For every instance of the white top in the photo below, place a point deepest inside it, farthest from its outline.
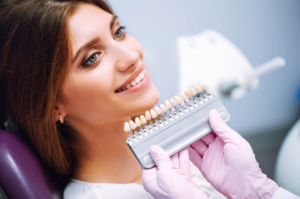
(77, 189)
(282, 193)
(83, 190)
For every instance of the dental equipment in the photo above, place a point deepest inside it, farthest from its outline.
(176, 128)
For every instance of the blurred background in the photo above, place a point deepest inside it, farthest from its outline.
(262, 30)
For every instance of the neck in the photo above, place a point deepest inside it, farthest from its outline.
(102, 156)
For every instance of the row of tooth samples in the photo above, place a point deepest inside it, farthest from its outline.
(133, 82)
(143, 125)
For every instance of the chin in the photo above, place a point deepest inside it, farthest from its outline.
(152, 101)
(147, 102)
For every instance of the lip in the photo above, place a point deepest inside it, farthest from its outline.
(139, 69)
(142, 84)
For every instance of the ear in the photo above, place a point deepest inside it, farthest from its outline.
(59, 110)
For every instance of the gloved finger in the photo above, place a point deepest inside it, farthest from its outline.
(200, 147)
(160, 158)
(184, 161)
(221, 128)
(195, 157)
(208, 139)
(149, 177)
(149, 172)
(175, 161)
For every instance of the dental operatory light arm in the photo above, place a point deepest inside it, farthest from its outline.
(220, 64)
(239, 86)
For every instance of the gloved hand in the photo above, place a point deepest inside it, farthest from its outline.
(227, 161)
(170, 178)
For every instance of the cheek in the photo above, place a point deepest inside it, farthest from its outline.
(87, 93)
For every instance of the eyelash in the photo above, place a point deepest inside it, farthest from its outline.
(122, 28)
(85, 65)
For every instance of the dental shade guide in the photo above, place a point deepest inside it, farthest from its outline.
(144, 122)
(173, 131)
(139, 124)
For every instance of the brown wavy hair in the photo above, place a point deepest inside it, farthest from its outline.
(35, 54)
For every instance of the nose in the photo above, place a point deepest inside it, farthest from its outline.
(125, 57)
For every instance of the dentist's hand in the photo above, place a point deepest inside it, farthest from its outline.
(170, 178)
(227, 161)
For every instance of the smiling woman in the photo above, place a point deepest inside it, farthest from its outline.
(70, 76)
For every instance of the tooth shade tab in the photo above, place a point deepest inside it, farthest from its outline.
(143, 119)
(168, 104)
(188, 93)
(183, 96)
(138, 121)
(193, 91)
(126, 127)
(163, 108)
(157, 110)
(203, 86)
(132, 124)
(173, 102)
(153, 113)
(198, 88)
(178, 99)
(148, 116)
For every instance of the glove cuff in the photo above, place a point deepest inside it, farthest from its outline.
(262, 186)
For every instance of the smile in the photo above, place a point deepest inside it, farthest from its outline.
(133, 83)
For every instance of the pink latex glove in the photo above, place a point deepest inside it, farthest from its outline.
(227, 161)
(170, 178)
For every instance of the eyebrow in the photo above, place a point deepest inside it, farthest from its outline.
(112, 22)
(93, 41)
(87, 45)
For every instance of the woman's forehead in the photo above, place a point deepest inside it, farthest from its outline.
(88, 21)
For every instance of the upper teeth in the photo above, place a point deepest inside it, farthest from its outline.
(133, 82)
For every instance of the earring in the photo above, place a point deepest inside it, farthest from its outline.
(61, 119)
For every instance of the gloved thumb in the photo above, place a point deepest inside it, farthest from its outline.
(220, 127)
(160, 158)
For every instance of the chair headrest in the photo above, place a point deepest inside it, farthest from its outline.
(22, 174)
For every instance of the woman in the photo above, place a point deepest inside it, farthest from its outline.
(70, 77)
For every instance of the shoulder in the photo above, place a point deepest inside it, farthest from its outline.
(78, 189)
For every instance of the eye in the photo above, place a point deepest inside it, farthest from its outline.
(91, 60)
(120, 32)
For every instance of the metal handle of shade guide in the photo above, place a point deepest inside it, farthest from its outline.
(179, 132)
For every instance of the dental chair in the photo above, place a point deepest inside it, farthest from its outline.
(22, 173)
